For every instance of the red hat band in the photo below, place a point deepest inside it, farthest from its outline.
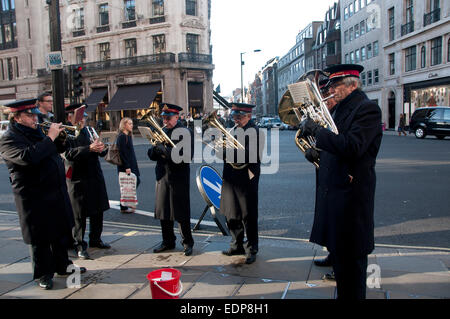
(345, 73)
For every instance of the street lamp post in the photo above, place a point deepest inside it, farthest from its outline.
(242, 74)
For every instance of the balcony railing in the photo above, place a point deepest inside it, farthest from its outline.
(129, 24)
(103, 28)
(407, 28)
(432, 17)
(9, 45)
(78, 33)
(151, 59)
(195, 57)
(159, 19)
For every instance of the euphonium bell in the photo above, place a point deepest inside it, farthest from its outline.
(302, 100)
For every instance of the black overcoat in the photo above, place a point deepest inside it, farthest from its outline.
(127, 154)
(239, 196)
(172, 197)
(344, 217)
(85, 181)
(38, 183)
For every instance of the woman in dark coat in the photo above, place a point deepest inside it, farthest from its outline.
(39, 186)
(87, 189)
(172, 201)
(127, 155)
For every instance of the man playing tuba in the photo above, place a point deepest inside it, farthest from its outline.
(344, 221)
(239, 196)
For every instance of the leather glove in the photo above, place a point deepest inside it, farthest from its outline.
(312, 155)
(309, 128)
(162, 150)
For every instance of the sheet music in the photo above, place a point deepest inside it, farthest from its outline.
(299, 92)
(146, 132)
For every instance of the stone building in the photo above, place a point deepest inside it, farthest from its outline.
(132, 53)
(416, 56)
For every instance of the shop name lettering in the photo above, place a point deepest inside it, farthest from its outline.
(228, 309)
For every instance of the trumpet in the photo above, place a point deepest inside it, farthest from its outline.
(228, 141)
(157, 135)
(69, 132)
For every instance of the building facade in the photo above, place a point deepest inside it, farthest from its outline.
(361, 35)
(132, 53)
(327, 44)
(416, 56)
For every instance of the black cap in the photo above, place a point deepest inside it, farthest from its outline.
(340, 71)
(28, 105)
(170, 109)
(241, 108)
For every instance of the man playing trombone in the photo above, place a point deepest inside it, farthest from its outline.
(172, 201)
(239, 196)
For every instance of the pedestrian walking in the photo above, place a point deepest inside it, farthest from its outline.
(127, 155)
(401, 125)
(45, 106)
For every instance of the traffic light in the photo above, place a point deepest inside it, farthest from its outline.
(77, 80)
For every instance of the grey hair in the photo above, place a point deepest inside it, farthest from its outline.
(350, 80)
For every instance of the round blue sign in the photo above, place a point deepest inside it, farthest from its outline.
(209, 184)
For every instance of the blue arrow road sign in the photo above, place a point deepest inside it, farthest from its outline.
(209, 183)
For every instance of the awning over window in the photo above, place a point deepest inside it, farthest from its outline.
(195, 91)
(95, 98)
(133, 97)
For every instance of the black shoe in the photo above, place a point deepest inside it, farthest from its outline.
(163, 247)
(82, 254)
(66, 273)
(250, 259)
(329, 276)
(188, 250)
(234, 252)
(100, 244)
(46, 283)
(325, 262)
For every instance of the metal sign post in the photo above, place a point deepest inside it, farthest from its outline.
(209, 184)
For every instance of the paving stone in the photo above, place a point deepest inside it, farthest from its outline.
(214, 285)
(259, 288)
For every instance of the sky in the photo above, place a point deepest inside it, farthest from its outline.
(247, 25)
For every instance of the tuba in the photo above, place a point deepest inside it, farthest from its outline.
(69, 132)
(302, 100)
(157, 134)
(228, 140)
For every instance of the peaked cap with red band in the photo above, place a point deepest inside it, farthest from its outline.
(241, 108)
(170, 109)
(340, 71)
(23, 105)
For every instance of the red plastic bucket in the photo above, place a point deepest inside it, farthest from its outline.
(165, 283)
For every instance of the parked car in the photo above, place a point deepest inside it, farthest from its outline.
(276, 123)
(3, 127)
(433, 120)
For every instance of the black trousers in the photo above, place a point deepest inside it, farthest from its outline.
(351, 275)
(168, 234)
(48, 258)
(238, 228)
(95, 229)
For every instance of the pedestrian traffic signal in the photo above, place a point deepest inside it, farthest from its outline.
(77, 80)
